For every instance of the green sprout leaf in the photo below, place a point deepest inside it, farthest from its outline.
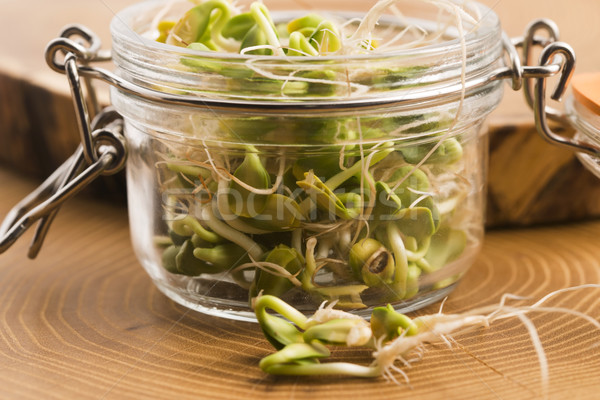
(223, 257)
(327, 200)
(387, 203)
(300, 46)
(242, 201)
(280, 214)
(199, 25)
(180, 260)
(168, 259)
(189, 225)
(416, 222)
(446, 245)
(256, 37)
(279, 331)
(322, 166)
(414, 190)
(389, 324)
(272, 284)
(448, 152)
(326, 38)
(238, 26)
(194, 23)
(305, 25)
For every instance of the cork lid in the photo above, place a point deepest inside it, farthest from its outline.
(584, 113)
(586, 89)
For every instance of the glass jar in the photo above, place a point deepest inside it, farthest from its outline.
(351, 179)
(583, 110)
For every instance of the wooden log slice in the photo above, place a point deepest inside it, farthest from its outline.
(84, 321)
(531, 181)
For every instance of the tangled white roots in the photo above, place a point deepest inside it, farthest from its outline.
(437, 328)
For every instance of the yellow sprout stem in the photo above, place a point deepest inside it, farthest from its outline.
(229, 45)
(334, 368)
(261, 16)
(221, 228)
(262, 303)
(271, 268)
(181, 226)
(400, 259)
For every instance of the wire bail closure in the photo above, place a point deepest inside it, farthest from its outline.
(103, 148)
(535, 85)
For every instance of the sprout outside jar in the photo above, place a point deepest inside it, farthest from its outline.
(316, 157)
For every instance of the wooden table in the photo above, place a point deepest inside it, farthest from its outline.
(85, 321)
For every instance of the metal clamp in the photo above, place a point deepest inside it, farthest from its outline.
(102, 151)
(534, 87)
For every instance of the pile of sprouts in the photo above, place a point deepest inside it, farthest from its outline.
(301, 342)
(222, 26)
(219, 27)
(367, 216)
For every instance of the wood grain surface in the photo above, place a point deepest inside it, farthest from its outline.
(531, 181)
(84, 321)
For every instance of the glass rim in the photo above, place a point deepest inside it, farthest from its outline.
(220, 80)
(487, 28)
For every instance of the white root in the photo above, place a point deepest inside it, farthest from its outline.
(271, 268)
(258, 11)
(212, 162)
(438, 327)
(248, 49)
(419, 199)
(265, 192)
(564, 290)
(370, 20)
(160, 15)
(326, 312)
